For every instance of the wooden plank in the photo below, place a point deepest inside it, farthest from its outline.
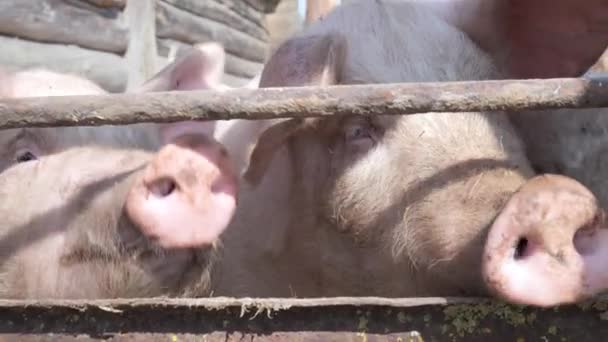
(180, 25)
(104, 11)
(222, 14)
(283, 23)
(106, 69)
(265, 6)
(55, 21)
(272, 103)
(107, 3)
(243, 9)
(286, 319)
(235, 66)
(235, 81)
(316, 9)
(141, 54)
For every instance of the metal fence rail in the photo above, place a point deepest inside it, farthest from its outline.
(268, 103)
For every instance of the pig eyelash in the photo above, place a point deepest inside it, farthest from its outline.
(356, 132)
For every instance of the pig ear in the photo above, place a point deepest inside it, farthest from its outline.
(200, 68)
(300, 61)
(600, 66)
(267, 145)
(305, 61)
(548, 246)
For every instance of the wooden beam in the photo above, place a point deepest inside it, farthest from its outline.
(141, 53)
(60, 22)
(316, 9)
(287, 319)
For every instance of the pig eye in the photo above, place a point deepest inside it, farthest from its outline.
(25, 156)
(360, 132)
(355, 133)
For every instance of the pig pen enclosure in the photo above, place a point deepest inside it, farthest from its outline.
(341, 318)
(210, 319)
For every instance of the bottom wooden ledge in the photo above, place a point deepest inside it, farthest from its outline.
(277, 319)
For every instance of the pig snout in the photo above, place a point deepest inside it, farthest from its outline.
(186, 196)
(549, 245)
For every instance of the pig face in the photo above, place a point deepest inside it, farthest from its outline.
(450, 195)
(407, 193)
(96, 222)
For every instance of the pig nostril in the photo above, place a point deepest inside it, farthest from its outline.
(521, 248)
(162, 187)
(217, 187)
(584, 241)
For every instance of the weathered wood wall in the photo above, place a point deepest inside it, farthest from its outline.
(92, 37)
(284, 22)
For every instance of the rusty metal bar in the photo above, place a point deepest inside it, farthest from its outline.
(323, 319)
(268, 103)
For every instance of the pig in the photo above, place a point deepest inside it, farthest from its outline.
(117, 220)
(540, 39)
(558, 43)
(437, 204)
(532, 38)
(96, 221)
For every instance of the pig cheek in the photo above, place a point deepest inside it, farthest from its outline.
(350, 198)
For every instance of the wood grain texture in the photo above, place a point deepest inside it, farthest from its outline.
(55, 21)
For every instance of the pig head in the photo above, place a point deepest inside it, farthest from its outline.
(417, 205)
(110, 217)
(101, 222)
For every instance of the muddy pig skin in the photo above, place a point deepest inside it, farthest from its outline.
(100, 222)
(436, 204)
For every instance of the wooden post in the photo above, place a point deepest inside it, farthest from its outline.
(141, 52)
(316, 9)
